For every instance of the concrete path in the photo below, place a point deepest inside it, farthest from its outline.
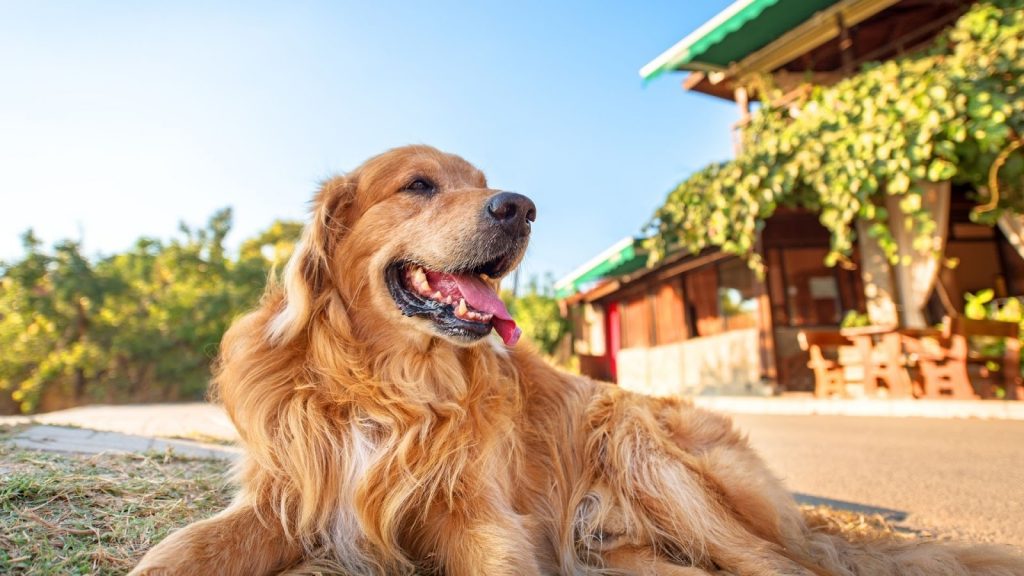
(195, 430)
(193, 420)
(85, 441)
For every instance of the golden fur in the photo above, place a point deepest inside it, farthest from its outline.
(376, 445)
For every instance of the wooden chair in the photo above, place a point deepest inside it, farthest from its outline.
(828, 373)
(1009, 361)
(942, 360)
(881, 351)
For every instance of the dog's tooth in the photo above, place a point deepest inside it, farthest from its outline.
(418, 278)
(437, 296)
(462, 307)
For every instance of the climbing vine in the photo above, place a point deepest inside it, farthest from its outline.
(944, 114)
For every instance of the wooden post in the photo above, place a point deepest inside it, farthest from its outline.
(743, 102)
(765, 327)
(845, 45)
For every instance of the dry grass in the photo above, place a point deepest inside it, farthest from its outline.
(854, 525)
(203, 439)
(67, 514)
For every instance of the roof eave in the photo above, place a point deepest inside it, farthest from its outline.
(817, 30)
(814, 32)
(679, 52)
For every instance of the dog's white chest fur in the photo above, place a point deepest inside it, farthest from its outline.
(348, 538)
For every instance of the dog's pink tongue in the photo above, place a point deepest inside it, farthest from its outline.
(480, 296)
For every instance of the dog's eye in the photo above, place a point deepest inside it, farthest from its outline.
(420, 186)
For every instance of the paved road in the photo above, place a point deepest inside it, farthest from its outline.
(961, 478)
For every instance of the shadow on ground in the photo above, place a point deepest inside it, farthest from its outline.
(888, 514)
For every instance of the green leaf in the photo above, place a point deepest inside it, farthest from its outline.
(899, 184)
(940, 170)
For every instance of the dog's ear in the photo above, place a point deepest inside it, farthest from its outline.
(308, 271)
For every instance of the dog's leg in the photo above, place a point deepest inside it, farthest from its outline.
(495, 544)
(653, 454)
(232, 543)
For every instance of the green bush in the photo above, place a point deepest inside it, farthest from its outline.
(140, 325)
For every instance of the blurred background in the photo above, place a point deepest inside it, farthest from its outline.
(157, 158)
(762, 197)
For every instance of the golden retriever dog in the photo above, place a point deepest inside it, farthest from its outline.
(392, 426)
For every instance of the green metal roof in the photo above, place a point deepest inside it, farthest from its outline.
(738, 31)
(625, 256)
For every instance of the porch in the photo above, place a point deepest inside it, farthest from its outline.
(706, 325)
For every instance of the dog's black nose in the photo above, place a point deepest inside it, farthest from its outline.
(512, 211)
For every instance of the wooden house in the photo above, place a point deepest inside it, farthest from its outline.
(705, 323)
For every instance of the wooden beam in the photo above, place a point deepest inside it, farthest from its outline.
(693, 79)
(817, 30)
(601, 291)
(788, 81)
(911, 38)
(690, 264)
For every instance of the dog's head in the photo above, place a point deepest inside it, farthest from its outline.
(413, 236)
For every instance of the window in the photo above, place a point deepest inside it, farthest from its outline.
(805, 292)
(737, 295)
(720, 297)
(702, 302)
(812, 293)
(588, 330)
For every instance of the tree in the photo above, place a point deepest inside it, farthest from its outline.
(536, 313)
(48, 323)
(141, 325)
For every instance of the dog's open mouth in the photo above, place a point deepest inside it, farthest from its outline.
(460, 304)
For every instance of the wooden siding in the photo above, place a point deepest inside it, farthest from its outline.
(669, 313)
(702, 293)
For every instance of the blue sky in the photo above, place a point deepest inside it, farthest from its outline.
(120, 119)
